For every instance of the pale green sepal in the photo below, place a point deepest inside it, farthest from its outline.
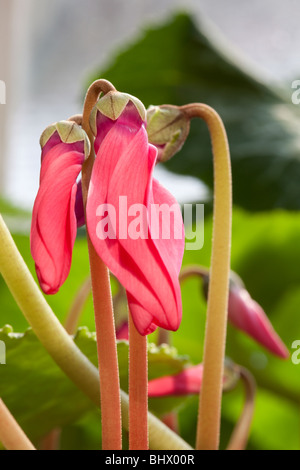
(112, 106)
(167, 128)
(69, 132)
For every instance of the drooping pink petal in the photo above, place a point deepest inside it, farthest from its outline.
(123, 168)
(247, 315)
(187, 382)
(54, 225)
(171, 240)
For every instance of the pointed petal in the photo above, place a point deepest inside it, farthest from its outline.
(187, 382)
(247, 315)
(171, 240)
(143, 320)
(53, 229)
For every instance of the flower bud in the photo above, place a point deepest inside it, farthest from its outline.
(112, 106)
(248, 316)
(67, 132)
(167, 128)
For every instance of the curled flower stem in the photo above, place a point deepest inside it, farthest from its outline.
(192, 271)
(60, 345)
(240, 435)
(76, 118)
(103, 305)
(208, 431)
(73, 316)
(11, 435)
(138, 389)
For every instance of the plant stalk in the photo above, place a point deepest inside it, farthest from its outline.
(208, 430)
(11, 435)
(138, 389)
(103, 305)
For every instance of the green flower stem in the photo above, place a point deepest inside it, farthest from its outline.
(60, 345)
(208, 432)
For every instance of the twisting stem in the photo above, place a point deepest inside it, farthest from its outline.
(208, 432)
(73, 316)
(240, 435)
(60, 345)
(103, 305)
(192, 271)
(138, 389)
(11, 435)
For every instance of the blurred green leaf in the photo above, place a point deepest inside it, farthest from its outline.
(62, 301)
(266, 254)
(42, 398)
(182, 62)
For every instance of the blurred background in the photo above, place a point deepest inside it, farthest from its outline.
(239, 57)
(50, 49)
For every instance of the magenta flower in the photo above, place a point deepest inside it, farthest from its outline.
(247, 315)
(123, 211)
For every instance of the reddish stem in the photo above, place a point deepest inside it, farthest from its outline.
(138, 389)
(11, 435)
(103, 306)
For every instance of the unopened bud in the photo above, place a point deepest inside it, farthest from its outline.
(69, 133)
(112, 106)
(167, 128)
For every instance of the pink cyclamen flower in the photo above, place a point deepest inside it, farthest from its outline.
(54, 224)
(247, 315)
(146, 263)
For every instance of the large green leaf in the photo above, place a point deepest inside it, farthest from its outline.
(42, 398)
(182, 62)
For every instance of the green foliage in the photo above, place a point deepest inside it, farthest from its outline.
(179, 63)
(42, 398)
(265, 253)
